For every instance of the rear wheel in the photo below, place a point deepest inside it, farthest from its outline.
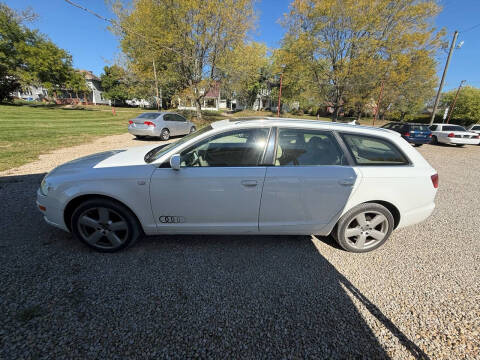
(364, 228)
(434, 140)
(165, 134)
(105, 225)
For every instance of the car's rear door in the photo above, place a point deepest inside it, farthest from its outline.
(309, 184)
(183, 125)
(217, 189)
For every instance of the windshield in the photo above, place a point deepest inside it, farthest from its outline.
(156, 153)
(148, 116)
(453, 128)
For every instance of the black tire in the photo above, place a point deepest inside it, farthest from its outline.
(193, 129)
(434, 140)
(418, 145)
(165, 134)
(350, 217)
(129, 234)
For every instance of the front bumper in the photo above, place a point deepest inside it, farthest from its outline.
(51, 211)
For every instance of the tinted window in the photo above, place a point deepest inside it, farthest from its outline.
(419, 128)
(388, 126)
(476, 127)
(179, 118)
(168, 117)
(148, 116)
(297, 147)
(235, 148)
(433, 127)
(453, 128)
(368, 150)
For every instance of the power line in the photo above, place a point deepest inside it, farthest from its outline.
(470, 28)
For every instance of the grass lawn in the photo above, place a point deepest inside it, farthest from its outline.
(26, 131)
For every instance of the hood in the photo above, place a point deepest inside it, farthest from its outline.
(113, 158)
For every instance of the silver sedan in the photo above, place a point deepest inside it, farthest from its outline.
(160, 124)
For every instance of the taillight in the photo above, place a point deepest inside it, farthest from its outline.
(435, 181)
(149, 123)
(476, 137)
(429, 135)
(406, 134)
(130, 122)
(451, 135)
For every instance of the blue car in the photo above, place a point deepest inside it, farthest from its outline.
(416, 134)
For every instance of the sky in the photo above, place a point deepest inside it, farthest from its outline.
(92, 46)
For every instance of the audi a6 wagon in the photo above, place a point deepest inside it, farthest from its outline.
(246, 176)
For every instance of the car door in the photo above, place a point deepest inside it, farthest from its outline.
(218, 187)
(309, 184)
(183, 125)
(172, 124)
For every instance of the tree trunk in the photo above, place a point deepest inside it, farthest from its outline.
(198, 108)
(336, 112)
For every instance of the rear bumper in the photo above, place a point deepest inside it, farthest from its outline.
(150, 131)
(416, 216)
(418, 141)
(461, 141)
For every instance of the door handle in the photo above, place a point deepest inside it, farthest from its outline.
(249, 183)
(347, 182)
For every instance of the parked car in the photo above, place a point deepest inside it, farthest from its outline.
(160, 124)
(474, 128)
(416, 134)
(453, 134)
(267, 176)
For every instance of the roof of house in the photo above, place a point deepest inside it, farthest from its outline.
(89, 75)
(214, 91)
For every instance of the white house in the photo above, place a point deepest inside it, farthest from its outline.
(31, 93)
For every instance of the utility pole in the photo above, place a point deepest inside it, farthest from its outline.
(279, 95)
(156, 84)
(452, 46)
(377, 110)
(455, 100)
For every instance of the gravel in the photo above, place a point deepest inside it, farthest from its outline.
(418, 296)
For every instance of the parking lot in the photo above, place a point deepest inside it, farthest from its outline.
(418, 296)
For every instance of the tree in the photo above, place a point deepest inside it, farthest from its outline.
(28, 57)
(467, 106)
(77, 83)
(114, 83)
(344, 41)
(186, 38)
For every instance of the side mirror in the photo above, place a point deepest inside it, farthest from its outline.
(175, 162)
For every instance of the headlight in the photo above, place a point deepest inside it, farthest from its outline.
(44, 187)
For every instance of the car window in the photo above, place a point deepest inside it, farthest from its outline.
(368, 150)
(148, 116)
(433, 127)
(476, 127)
(387, 126)
(299, 147)
(235, 148)
(168, 117)
(419, 128)
(453, 128)
(179, 118)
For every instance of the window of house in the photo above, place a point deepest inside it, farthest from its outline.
(232, 149)
(367, 150)
(299, 147)
(210, 102)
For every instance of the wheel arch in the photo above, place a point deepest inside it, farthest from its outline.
(76, 201)
(392, 208)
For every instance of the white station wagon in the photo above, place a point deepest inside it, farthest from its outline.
(246, 176)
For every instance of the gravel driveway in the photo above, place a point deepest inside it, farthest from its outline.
(418, 296)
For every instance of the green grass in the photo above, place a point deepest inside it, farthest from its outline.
(26, 131)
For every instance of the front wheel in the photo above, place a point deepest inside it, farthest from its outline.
(364, 227)
(165, 134)
(105, 225)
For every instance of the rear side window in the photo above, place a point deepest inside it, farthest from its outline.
(302, 147)
(367, 150)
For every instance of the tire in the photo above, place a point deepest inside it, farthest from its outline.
(434, 140)
(165, 134)
(369, 237)
(418, 145)
(193, 129)
(92, 221)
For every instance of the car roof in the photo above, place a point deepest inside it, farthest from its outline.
(292, 122)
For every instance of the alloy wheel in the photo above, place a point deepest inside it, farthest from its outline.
(103, 228)
(366, 230)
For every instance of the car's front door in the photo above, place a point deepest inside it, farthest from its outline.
(309, 185)
(172, 124)
(218, 187)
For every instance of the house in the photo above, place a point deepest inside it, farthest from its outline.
(31, 93)
(212, 100)
(95, 85)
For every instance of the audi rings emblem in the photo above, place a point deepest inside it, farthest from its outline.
(172, 219)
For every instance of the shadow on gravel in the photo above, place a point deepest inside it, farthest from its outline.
(175, 296)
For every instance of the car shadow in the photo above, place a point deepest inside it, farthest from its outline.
(199, 296)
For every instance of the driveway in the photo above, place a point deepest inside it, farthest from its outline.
(418, 296)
